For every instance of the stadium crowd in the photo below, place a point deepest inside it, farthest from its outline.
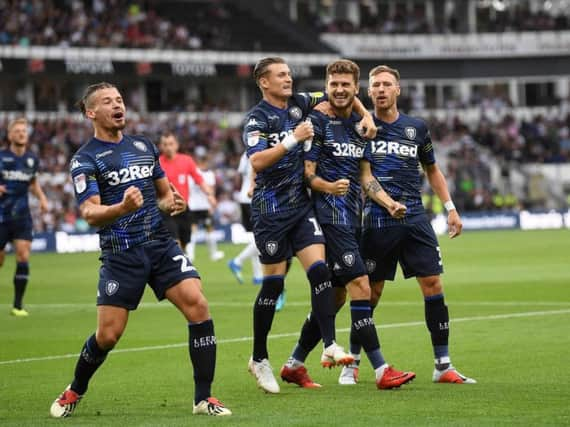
(466, 148)
(374, 18)
(105, 23)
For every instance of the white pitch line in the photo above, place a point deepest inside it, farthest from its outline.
(294, 334)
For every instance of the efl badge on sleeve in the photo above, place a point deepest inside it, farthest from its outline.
(80, 182)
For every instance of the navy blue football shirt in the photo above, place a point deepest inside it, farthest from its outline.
(395, 156)
(107, 169)
(16, 173)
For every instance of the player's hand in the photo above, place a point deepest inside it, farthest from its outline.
(454, 224)
(397, 210)
(340, 187)
(44, 205)
(304, 131)
(2, 190)
(213, 202)
(325, 108)
(250, 190)
(367, 128)
(132, 199)
(178, 203)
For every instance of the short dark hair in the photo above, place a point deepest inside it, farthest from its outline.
(344, 66)
(263, 64)
(384, 69)
(91, 89)
(167, 134)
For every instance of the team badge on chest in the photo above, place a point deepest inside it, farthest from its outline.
(295, 113)
(410, 132)
(140, 146)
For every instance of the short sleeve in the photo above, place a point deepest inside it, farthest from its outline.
(368, 156)
(157, 172)
(426, 154)
(84, 175)
(307, 100)
(255, 134)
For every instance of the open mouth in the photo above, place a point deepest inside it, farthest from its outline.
(118, 115)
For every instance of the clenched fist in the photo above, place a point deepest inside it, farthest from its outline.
(132, 199)
(340, 187)
(304, 131)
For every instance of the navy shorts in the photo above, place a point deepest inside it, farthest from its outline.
(280, 237)
(123, 275)
(414, 246)
(343, 253)
(15, 230)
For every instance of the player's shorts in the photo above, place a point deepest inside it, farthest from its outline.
(179, 226)
(246, 216)
(202, 218)
(281, 237)
(15, 230)
(123, 275)
(414, 246)
(343, 253)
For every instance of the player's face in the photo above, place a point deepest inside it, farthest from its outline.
(107, 109)
(383, 90)
(341, 90)
(18, 135)
(277, 81)
(169, 146)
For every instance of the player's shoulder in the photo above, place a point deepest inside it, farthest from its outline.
(140, 142)
(416, 122)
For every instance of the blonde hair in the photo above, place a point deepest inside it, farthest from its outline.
(17, 121)
(384, 69)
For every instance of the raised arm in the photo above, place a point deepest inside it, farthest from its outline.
(374, 190)
(263, 159)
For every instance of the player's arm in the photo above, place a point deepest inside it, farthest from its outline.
(199, 179)
(367, 124)
(37, 191)
(374, 190)
(316, 183)
(439, 185)
(98, 215)
(263, 159)
(168, 198)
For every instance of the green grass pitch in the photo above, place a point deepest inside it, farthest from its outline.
(509, 300)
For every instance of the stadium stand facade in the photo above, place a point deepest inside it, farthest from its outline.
(489, 77)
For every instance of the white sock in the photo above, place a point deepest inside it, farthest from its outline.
(380, 370)
(212, 244)
(249, 251)
(191, 249)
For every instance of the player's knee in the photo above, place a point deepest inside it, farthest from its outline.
(376, 293)
(107, 339)
(359, 288)
(431, 285)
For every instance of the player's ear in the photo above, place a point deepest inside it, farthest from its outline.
(398, 89)
(90, 114)
(263, 82)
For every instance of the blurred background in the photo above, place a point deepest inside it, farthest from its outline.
(491, 77)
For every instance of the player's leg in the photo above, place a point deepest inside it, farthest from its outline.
(379, 249)
(187, 296)
(421, 257)
(280, 303)
(190, 248)
(122, 279)
(294, 370)
(111, 323)
(215, 254)
(173, 277)
(22, 249)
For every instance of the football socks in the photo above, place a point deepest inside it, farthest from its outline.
(263, 313)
